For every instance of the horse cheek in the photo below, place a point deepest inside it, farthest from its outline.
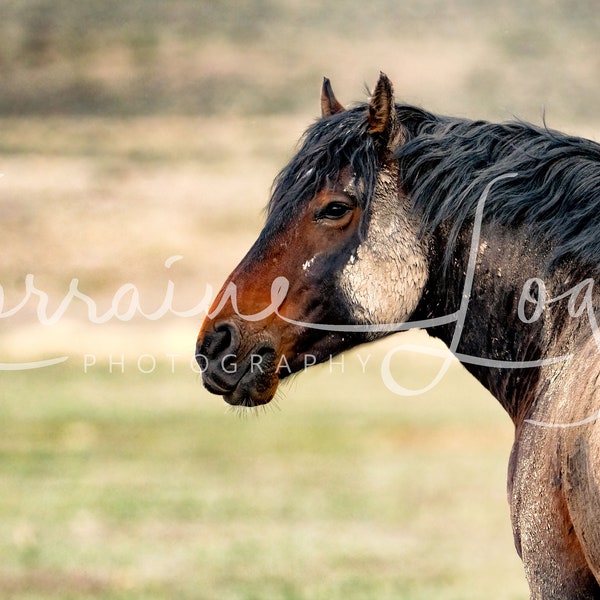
(384, 279)
(383, 286)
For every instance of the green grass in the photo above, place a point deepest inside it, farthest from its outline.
(144, 486)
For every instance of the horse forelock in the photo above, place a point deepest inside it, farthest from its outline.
(328, 147)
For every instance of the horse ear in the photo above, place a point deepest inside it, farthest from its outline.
(382, 111)
(329, 104)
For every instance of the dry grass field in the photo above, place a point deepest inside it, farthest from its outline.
(134, 132)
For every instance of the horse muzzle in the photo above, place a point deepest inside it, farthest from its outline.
(239, 367)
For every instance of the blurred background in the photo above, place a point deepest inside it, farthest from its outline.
(138, 143)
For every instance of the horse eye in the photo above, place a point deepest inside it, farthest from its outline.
(334, 210)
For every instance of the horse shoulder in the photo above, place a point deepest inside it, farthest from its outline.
(554, 482)
(580, 459)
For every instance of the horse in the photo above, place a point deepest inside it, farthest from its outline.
(486, 235)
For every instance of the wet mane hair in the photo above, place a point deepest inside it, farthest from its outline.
(445, 165)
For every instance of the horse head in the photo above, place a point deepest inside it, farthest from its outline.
(340, 254)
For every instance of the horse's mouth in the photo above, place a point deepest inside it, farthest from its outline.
(245, 398)
(250, 382)
(253, 391)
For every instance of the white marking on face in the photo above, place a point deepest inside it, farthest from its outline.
(308, 264)
(384, 279)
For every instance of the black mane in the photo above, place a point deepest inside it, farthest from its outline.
(447, 163)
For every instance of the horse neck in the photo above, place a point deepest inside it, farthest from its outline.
(488, 328)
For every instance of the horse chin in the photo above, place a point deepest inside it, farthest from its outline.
(253, 391)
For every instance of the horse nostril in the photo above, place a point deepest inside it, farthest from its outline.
(223, 339)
